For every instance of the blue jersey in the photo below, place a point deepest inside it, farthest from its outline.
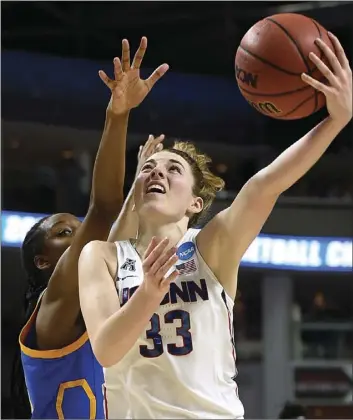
(62, 384)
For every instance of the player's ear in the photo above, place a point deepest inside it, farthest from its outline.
(196, 206)
(41, 262)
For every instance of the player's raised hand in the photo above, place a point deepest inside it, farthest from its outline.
(338, 90)
(128, 89)
(157, 261)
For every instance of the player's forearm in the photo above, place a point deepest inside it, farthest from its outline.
(295, 161)
(109, 167)
(125, 227)
(121, 330)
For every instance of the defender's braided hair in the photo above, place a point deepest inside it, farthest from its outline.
(32, 245)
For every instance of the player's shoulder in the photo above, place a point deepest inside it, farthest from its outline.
(193, 231)
(96, 249)
(187, 244)
(191, 234)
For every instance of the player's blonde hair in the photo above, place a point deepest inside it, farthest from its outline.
(206, 184)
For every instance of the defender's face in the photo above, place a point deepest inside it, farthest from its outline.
(163, 189)
(60, 229)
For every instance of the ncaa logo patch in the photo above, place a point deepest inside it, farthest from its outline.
(186, 251)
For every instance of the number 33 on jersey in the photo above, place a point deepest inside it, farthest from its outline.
(173, 324)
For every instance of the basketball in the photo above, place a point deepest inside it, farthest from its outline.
(270, 60)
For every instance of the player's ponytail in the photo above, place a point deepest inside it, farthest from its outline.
(32, 246)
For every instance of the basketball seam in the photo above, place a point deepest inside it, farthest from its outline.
(297, 107)
(275, 94)
(294, 42)
(269, 62)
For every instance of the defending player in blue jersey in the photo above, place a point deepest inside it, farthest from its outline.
(62, 375)
(65, 383)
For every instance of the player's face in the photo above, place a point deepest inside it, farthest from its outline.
(164, 189)
(60, 231)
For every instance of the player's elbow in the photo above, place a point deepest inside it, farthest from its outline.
(102, 358)
(263, 185)
(104, 353)
(105, 362)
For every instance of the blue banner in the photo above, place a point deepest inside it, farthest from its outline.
(267, 251)
(303, 253)
(14, 227)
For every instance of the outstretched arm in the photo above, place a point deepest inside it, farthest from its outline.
(226, 238)
(60, 307)
(114, 330)
(126, 225)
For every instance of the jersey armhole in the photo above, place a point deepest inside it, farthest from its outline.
(205, 266)
(46, 354)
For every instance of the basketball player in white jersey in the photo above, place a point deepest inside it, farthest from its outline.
(163, 334)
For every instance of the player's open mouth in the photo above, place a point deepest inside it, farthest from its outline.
(155, 188)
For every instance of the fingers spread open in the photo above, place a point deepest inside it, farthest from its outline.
(125, 58)
(118, 71)
(105, 79)
(156, 75)
(136, 63)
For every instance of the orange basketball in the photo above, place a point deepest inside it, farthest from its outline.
(270, 60)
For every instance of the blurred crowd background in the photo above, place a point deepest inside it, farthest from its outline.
(53, 110)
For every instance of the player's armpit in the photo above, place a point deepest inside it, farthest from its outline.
(224, 240)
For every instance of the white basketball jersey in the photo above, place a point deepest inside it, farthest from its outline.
(183, 364)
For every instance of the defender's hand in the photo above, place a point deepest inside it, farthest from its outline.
(128, 89)
(338, 90)
(157, 261)
(152, 146)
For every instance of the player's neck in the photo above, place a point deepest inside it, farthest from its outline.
(173, 231)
